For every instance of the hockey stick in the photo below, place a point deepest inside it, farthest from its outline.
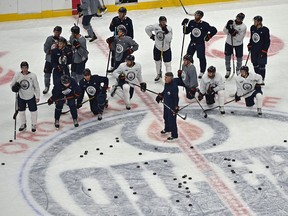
(247, 58)
(182, 47)
(103, 4)
(108, 62)
(205, 114)
(15, 114)
(229, 78)
(185, 9)
(174, 113)
(146, 88)
(80, 103)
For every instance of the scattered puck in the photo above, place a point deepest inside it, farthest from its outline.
(259, 188)
(284, 140)
(184, 176)
(179, 186)
(190, 178)
(177, 200)
(165, 161)
(97, 149)
(187, 191)
(89, 189)
(225, 158)
(134, 192)
(267, 167)
(12, 141)
(81, 155)
(179, 183)
(250, 171)
(184, 182)
(229, 165)
(145, 162)
(232, 112)
(233, 160)
(214, 144)
(156, 148)
(190, 204)
(86, 152)
(191, 147)
(187, 196)
(138, 166)
(115, 197)
(111, 146)
(101, 153)
(2, 164)
(154, 173)
(228, 159)
(187, 188)
(233, 171)
(117, 140)
(131, 187)
(161, 7)
(235, 182)
(140, 153)
(175, 179)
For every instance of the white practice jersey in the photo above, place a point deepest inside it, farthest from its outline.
(217, 83)
(133, 74)
(162, 41)
(239, 37)
(245, 86)
(29, 85)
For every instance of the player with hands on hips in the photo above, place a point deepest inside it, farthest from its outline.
(236, 31)
(162, 34)
(187, 77)
(212, 84)
(68, 90)
(249, 86)
(170, 97)
(127, 74)
(258, 46)
(201, 32)
(26, 85)
(96, 88)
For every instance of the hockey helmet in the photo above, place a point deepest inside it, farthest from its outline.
(162, 18)
(24, 64)
(199, 12)
(258, 18)
(211, 69)
(122, 10)
(87, 72)
(75, 30)
(65, 79)
(122, 28)
(188, 57)
(245, 68)
(130, 58)
(58, 29)
(241, 16)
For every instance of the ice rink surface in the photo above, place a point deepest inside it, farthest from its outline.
(231, 165)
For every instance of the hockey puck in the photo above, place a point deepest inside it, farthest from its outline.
(2, 164)
(115, 197)
(175, 179)
(190, 178)
(81, 155)
(161, 7)
(284, 141)
(140, 153)
(89, 189)
(97, 149)
(184, 182)
(214, 144)
(117, 140)
(135, 193)
(131, 187)
(154, 173)
(191, 147)
(177, 200)
(111, 146)
(190, 204)
(138, 166)
(10, 140)
(101, 153)
(235, 182)
(187, 196)
(259, 188)
(165, 161)
(145, 162)
(232, 112)
(267, 167)
(229, 165)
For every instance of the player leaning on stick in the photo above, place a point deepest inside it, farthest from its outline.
(26, 85)
(200, 31)
(249, 86)
(211, 84)
(236, 31)
(162, 35)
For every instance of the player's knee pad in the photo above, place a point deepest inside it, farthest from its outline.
(221, 97)
(259, 100)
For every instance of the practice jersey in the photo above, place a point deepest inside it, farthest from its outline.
(120, 45)
(50, 43)
(29, 85)
(189, 76)
(127, 22)
(245, 86)
(61, 58)
(80, 54)
(239, 37)
(89, 7)
(217, 83)
(170, 95)
(259, 39)
(162, 41)
(60, 91)
(133, 74)
(199, 31)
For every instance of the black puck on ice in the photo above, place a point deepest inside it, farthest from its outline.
(187, 196)
(154, 173)
(165, 161)
(156, 148)
(232, 112)
(285, 140)
(191, 147)
(86, 152)
(89, 189)
(259, 188)
(267, 167)
(235, 182)
(190, 178)
(174, 179)
(229, 165)
(131, 187)
(184, 182)
(10, 140)
(184, 176)
(145, 162)
(2, 164)
(179, 186)
(135, 193)
(177, 200)
(115, 197)
(97, 149)
(101, 153)
(214, 144)
(117, 140)
(111, 146)
(140, 153)
(233, 160)
(190, 204)
(250, 171)
(81, 155)
(138, 166)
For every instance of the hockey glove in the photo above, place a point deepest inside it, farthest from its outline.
(200, 96)
(185, 21)
(193, 91)
(263, 54)
(165, 30)
(16, 87)
(76, 43)
(129, 51)
(210, 90)
(176, 110)
(257, 87)
(159, 98)
(232, 31)
(79, 9)
(50, 101)
(152, 37)
(121, 79)
(207, 37)
(237, 98)
(143, 86)
(249, 47)
(179, 73)
(110, 40)
(229, 24)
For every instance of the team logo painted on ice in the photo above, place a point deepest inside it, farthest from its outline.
(196, 32)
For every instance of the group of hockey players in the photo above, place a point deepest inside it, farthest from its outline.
(66, 59)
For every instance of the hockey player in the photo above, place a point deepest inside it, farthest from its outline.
(88, 8)
(212, 83)
(236, 31)
(170, 97)
(127, 74)
(187, 77)
(121, 45)
(50, 44)
(26, 85)
(61, 58)
(95, 86)
(66, 89)
(121, 19)
(80, 53)
(258, 46)
(162, 35)
(249, 86)
(200, 31)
